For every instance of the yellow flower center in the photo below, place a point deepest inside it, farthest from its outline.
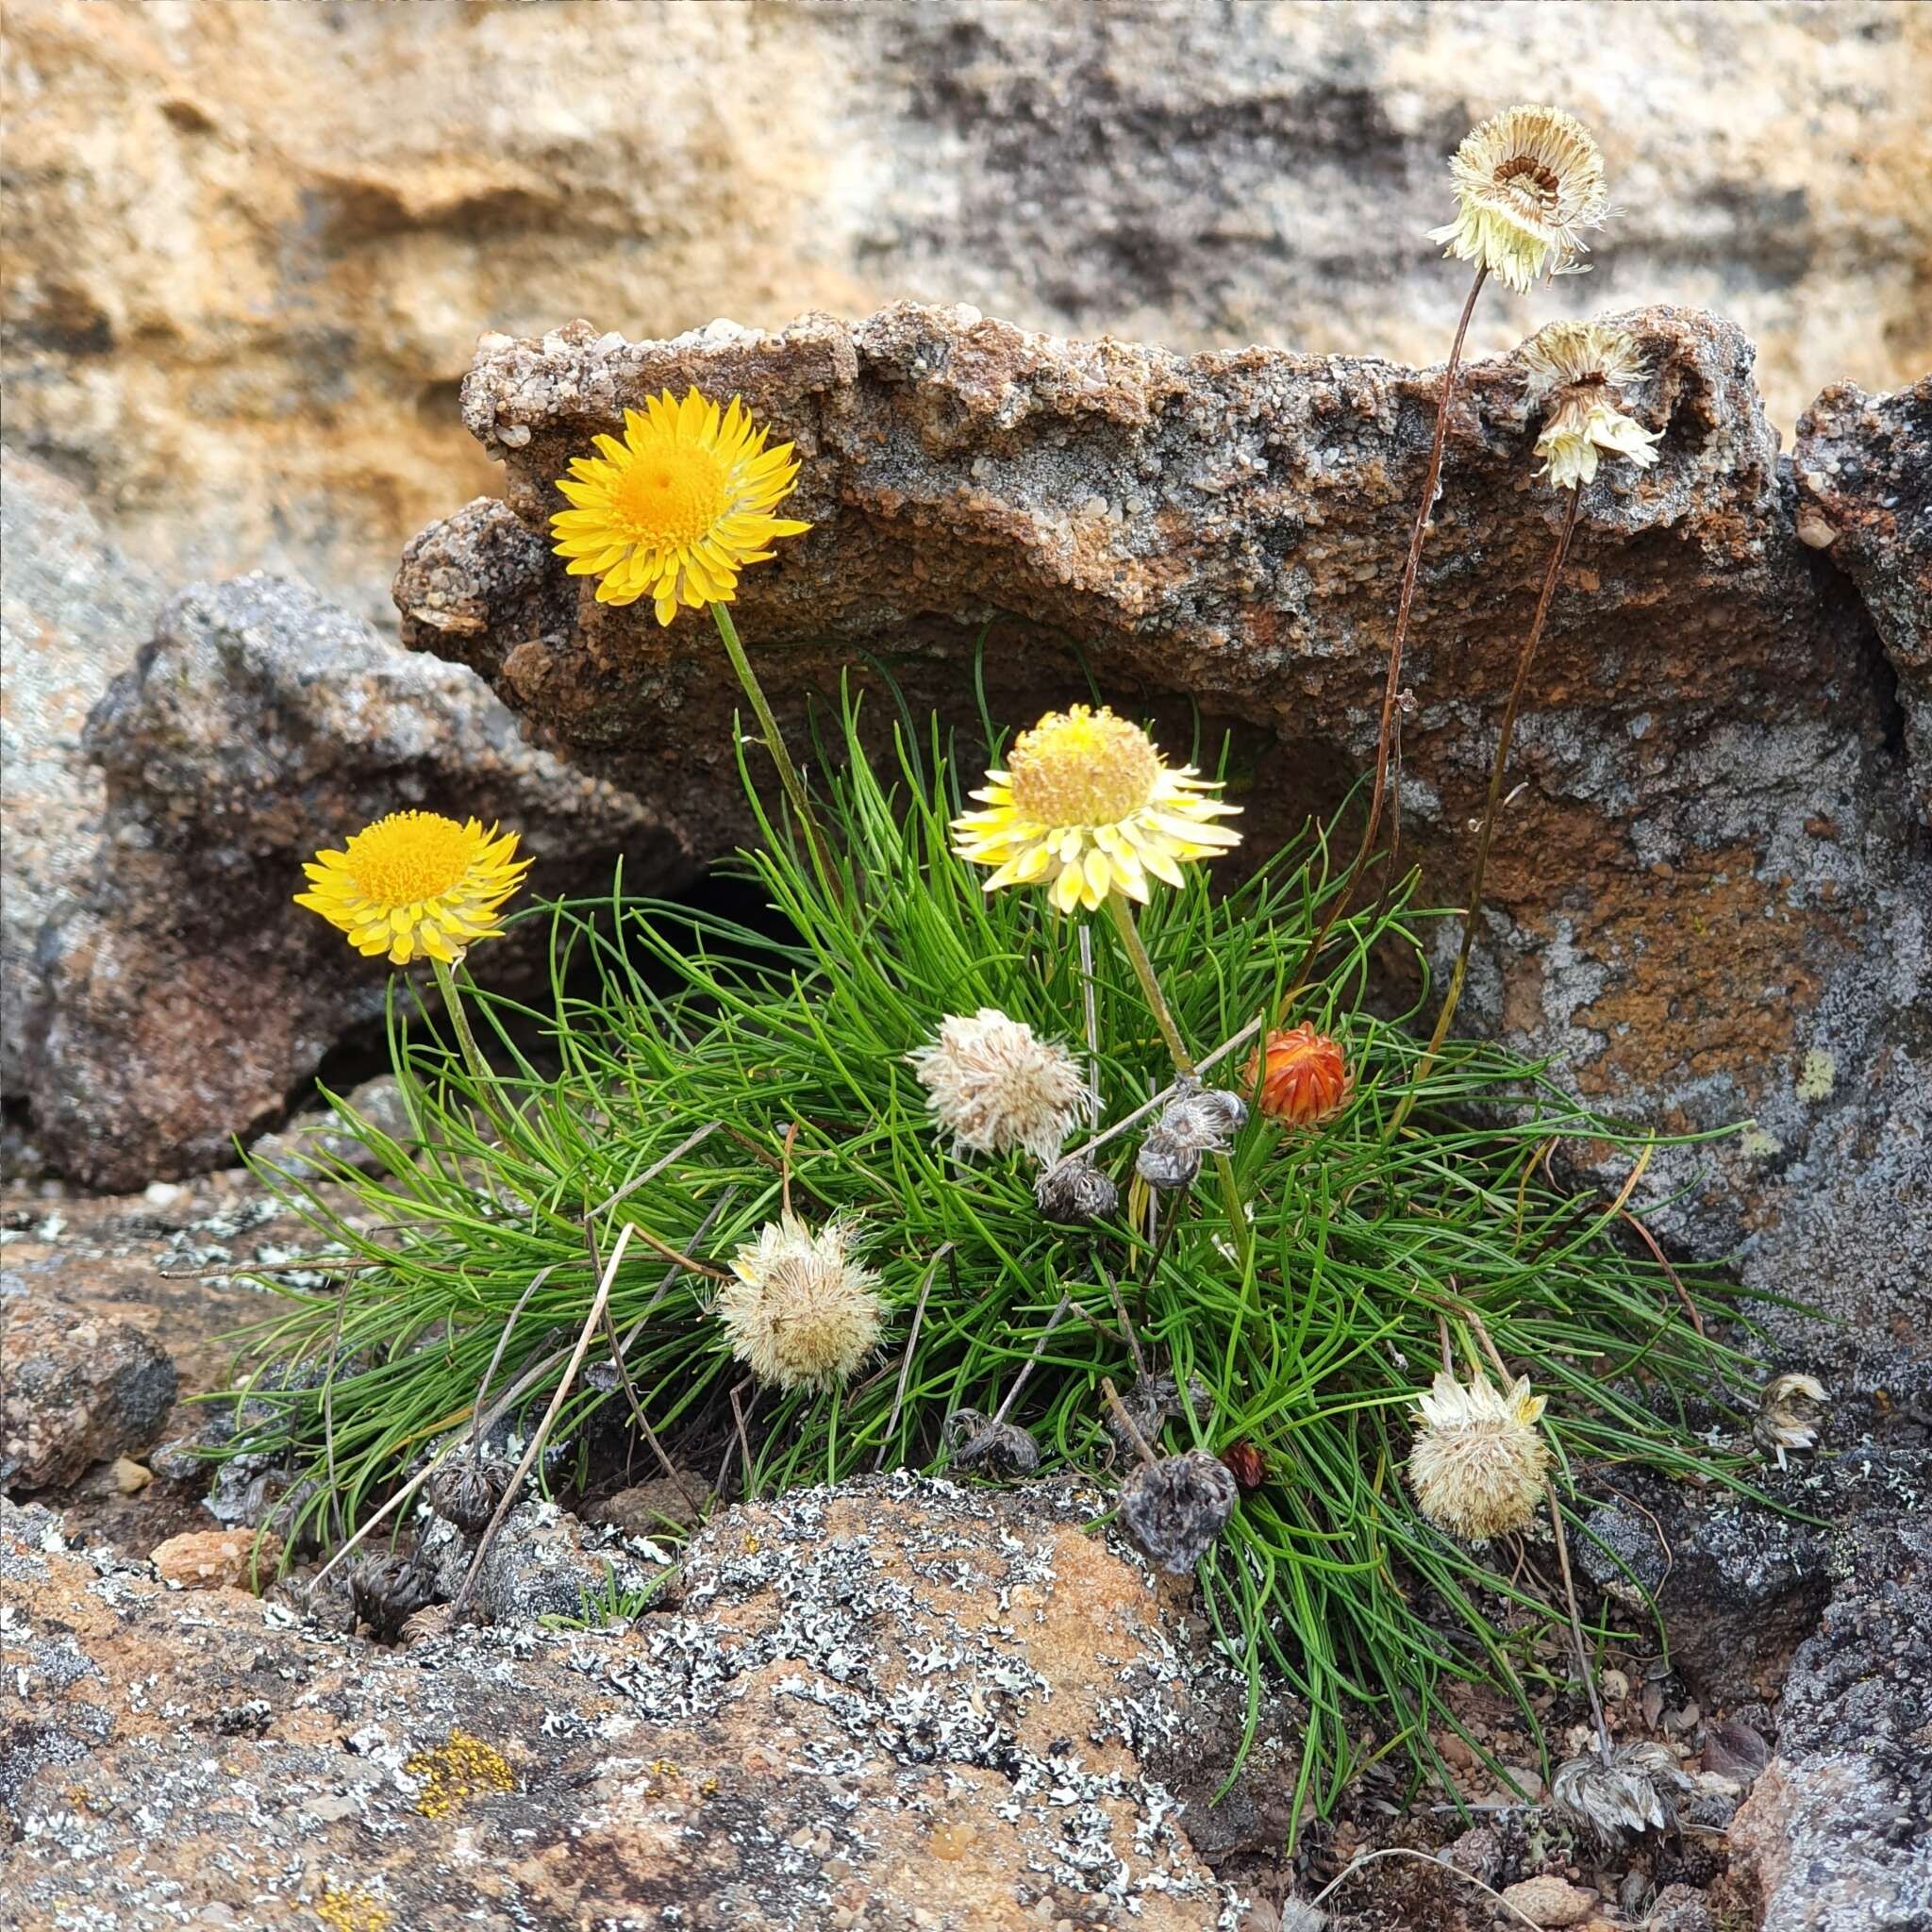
(1083, 768)
(409, 856)
(671, 497)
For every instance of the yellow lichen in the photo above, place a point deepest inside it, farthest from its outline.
(1817, 1078)
(452, 1773)
(353, 1910)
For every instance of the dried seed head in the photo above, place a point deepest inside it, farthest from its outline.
(992, 1086)
(1175, 1508)
(801, 1313)
(1298, 1915)
(1166, 1162)
(387, 1591)
(1478, 1461)
(434, 1622)
(1075, 1191)
(1303, 1077)
(1791, 1412)
(1638, 1790)
(978, 1442)
(1578, 371)
(467, 1488)
(1528, 182)
(1203, 1117)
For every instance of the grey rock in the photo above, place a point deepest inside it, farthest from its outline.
(316, 1143)
(542, 1563)
(1863, 467)
(74, 1389)
(1680, 1909)
(1749, 943)
(1836, 1833)
(186, 995)
(73, 612)
(1739, 1586)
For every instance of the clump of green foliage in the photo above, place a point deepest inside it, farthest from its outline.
(681, 1053)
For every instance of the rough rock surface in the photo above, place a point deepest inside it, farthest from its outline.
(75, 1390)
(1837, 1835)
(73, 612)
(186, 996)
(1863, 466)
(1709, 896)
(900, 1704)
(248, 247)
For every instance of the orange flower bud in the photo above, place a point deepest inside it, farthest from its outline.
(1306, 1080)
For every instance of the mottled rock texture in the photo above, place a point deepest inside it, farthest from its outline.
(1863, 466)
(1837, 1834)
(1709, 895)
(73, 612)
(249, 246)
(898, 1704)
(186, 997)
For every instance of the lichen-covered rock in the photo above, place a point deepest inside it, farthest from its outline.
(72, 613)
(74, 1389)
(1708, 896)
(1837, 1834)
(1740, 1587)
(1863, 466)
(185, 994)
(894, 1704)
(543, 1563)
(249, 247)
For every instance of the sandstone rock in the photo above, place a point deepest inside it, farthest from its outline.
(896, 1705)
(250, 246)
(651, 1508)
(1550, 1901)
(1228, 530)
(1863, 466)
(75, 1390)
(1837, 1834)
(72, 613)
(186, 995)
(217, 1559)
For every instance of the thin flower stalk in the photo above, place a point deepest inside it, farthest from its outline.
(1391, 685)
(1485, 834)
(774, 740)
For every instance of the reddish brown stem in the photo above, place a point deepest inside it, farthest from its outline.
(1487, 833)
(1392, 689)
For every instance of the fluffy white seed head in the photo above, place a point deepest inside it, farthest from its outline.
(801, 1313)
(992, 1086)
(1477, 1464)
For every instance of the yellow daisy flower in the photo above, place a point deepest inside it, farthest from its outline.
(416, 885)
(1087, 808)
(678, 508)
(1527, 182)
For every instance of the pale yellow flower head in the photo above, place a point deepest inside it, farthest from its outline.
(1087, 806)
(1478, 1460)
(678, 508)
(416, 885)
(1528, 182)
(1576, 373)
(800, 1311)
(993, 1086)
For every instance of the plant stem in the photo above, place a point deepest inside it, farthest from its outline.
(473, 1056)
(1498, 768)
(1183, 1060)
(774, 741)
(1392, 685)
(1583, 1664)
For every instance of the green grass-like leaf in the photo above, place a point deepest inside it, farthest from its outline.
(666, 1023)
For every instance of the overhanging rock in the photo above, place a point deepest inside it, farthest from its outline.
(1709, 896)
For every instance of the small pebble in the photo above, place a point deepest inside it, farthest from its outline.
(131, 1477)
(1550, 1901)
(163, 1193)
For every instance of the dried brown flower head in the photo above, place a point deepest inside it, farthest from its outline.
(1791, 1412)
(467, 1488)
(1175, 1508)
(977, 1442)
(1073, 1190)
(1638, 1790)
(1577, 372)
